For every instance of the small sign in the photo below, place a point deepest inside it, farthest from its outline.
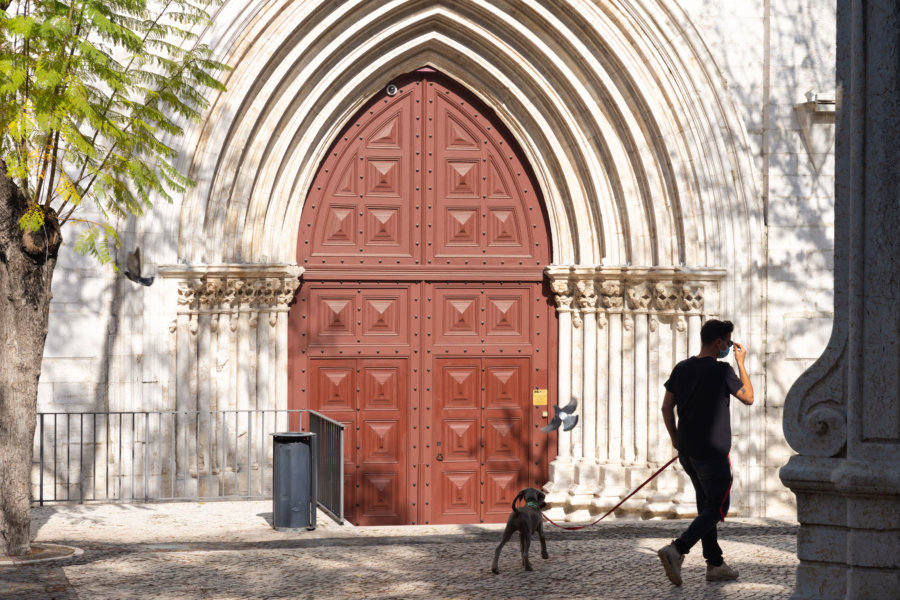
(539, 397)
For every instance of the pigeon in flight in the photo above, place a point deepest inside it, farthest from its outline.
(133, 272)
(564, 416)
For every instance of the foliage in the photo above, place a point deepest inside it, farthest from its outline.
(91, 94)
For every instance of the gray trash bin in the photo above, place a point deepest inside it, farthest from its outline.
(294, 481)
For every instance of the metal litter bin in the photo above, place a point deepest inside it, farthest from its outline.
(294, 481)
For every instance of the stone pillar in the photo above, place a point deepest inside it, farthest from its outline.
(613, 474)
(561, 475)
(587, 470)
(231, 363)
(842, 415)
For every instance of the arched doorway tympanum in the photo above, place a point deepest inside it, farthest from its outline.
(422, 320)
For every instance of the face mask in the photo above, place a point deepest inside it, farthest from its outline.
(724, 353)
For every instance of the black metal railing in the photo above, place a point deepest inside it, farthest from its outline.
(330, 470)
(171, 455)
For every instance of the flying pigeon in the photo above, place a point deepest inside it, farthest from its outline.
(565, 416)
(134, 268)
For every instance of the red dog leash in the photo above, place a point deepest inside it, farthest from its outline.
(652, 477)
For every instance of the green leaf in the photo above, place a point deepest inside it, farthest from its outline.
(33, 219)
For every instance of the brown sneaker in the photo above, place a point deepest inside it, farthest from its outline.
(721, 573)
(671, 559)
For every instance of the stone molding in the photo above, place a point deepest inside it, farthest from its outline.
(234, 288)
(664, 290)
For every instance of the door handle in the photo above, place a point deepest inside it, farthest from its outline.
(439, 457)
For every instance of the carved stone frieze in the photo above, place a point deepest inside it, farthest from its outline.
(677, 291)
(226, 294)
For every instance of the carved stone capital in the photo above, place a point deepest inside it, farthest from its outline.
(639, 296)
(562, 294)
(587, 295)
(611, 294)
(692, 298)
(563, 303)
(667, 296)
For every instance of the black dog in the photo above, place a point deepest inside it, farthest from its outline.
(526, 521)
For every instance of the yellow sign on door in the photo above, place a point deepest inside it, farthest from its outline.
(539, 397)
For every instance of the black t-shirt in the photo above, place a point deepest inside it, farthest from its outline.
(702, 388)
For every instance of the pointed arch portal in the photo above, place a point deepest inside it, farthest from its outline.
(421, 321)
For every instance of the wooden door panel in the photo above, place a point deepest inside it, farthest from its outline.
(384, 316)
(459, 491)
(502, 440)
(482, 190)
(332, 391)
(334, 313)
(507, 385)
(383, 387)
(506, 381)
(380, 443)
(459, 385)
(364, 190)
(500, 490)
(456, 315)
(457, 442)
(380, 502)
(367, 314)
(508, 315)
(382, 404)
(482, 404)
(460, 441)
(334, 385)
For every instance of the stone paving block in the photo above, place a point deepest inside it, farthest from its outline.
(228, 550)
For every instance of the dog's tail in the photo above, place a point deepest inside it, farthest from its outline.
(519, 496)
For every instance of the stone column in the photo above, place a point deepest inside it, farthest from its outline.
(664, 500)
(587, 470)
(842, 415)
(561, 475)
(613, 475)
(639, 298)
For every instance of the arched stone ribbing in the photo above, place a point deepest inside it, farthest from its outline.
(615, 106)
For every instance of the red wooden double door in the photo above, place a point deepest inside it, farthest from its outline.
(422, 320)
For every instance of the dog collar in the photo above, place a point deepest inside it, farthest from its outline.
(533, 504)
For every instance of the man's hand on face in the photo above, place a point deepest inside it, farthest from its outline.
(740, 353)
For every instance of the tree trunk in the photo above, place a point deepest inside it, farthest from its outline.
(27, 260)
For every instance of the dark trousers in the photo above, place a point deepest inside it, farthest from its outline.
(711, 478)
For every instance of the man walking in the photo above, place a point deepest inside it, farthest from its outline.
(700, 387)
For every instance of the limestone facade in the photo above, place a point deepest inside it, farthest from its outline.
(685, 174)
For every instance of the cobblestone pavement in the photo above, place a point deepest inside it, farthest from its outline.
(225, 550)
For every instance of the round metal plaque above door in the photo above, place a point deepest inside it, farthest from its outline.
(422, 321)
